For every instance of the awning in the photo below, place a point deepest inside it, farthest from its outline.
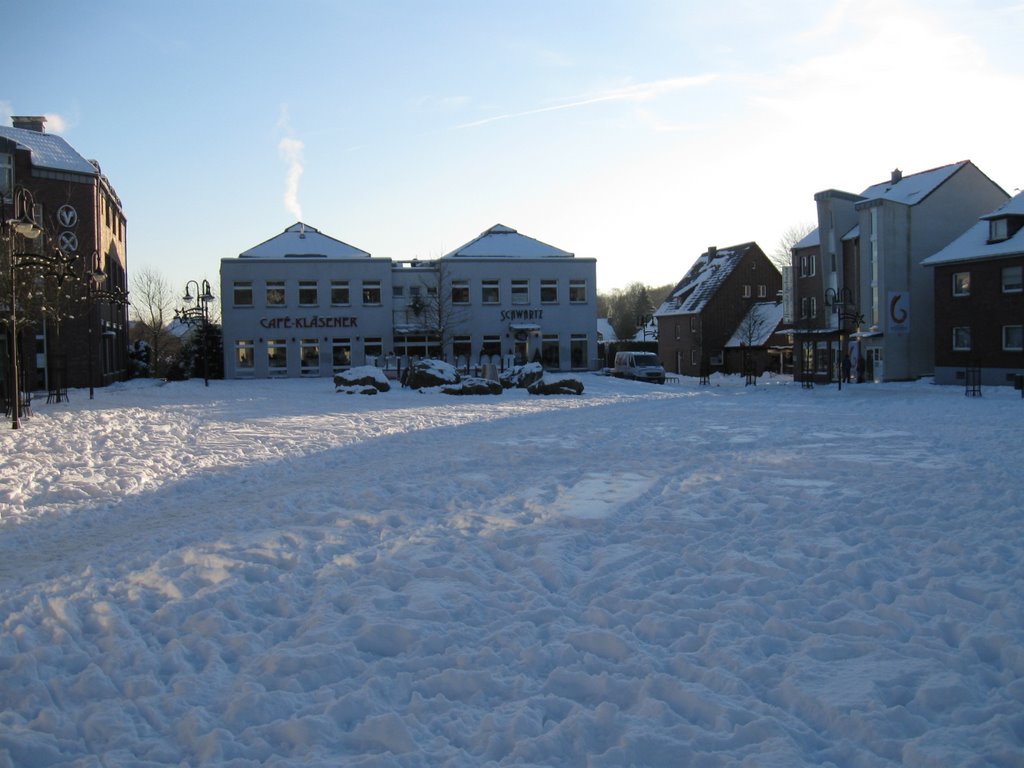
(524, 327)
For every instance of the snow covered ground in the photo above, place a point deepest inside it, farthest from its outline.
(269, 573)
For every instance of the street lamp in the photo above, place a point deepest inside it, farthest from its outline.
(97, 293)
(838, 299)
(22, 225)
(198, 314)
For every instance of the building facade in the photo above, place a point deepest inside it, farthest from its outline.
(80, 337)
(860, 289)
(706, 309)
(979, 299)
(305, 304)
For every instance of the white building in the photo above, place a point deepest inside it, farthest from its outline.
(305, 304)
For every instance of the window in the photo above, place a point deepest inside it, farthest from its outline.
(961, 283)
(578, 351)
(962, 339)
(1013, 338)
(746, 291)
(490, 294)
(275, 293)
(548, 291)
(341, 354)
(309, 357)
(694, 323)
(998, 229)
(243, 293)
(307, 293)
(371, 293)
(1012, 279)
(694, 359)
(245, 356)
(460, 292)
(807, 265)
(520, 291)
(398, 291)
(549, 351)
(577, 291)
(277, 357)
(762, 291)
(6, 174)
(339, 293)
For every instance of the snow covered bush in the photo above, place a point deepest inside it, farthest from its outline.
(430, 373)
(556, 384)
(522, 375)
(361, 380)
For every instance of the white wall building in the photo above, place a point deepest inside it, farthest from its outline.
(305, 304)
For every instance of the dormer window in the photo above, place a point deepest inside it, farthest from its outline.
(998, 230)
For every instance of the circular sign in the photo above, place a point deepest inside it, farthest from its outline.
(67, 216)
(67, 242)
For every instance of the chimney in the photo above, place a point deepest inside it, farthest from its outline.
(29, 122)
(712, 252)
(897, 174)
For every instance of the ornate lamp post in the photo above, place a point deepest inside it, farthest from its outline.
(838, 300)
(23, 225)
(97, 293)
(198, 314)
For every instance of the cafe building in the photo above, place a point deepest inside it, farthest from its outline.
(306, 304)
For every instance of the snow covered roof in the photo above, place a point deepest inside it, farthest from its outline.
(605, 332)
(301, 241)
(49, 150)
(973, 245)
(853, 234)
(757, 326)
(504, 242)
(912, 189)
(700, 283)
(809, 240)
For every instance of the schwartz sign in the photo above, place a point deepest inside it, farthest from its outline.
(308, 322)
(511, 315)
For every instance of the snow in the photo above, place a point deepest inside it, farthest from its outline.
(505, 242)
(269, 573)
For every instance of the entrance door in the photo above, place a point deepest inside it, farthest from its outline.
(522, 351)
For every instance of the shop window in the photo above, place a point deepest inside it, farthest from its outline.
(245, 356)
(961, 283)
(578, 351)
(277, 357)
(1012, 279)
(962, 339)
(371, 293)
(308, 293)
(577, 291)
(339, 293)
(309, 357)
(341, 354)
(1013, 338)
(373, 347)
(490, 351)
(275, 293)
(549, 353)
(548, 291)
(242, 293)
(490, 292)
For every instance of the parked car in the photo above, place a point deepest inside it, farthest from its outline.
(642, 366)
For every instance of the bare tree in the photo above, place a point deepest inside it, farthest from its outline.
(782, 256)
(152, 309)
(435, 307)
(752, 327)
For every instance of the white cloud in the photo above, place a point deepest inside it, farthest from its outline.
(636, 92)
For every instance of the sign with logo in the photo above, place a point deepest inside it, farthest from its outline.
(898, 316)
(513, 315)
(67, 216)
(67, 242)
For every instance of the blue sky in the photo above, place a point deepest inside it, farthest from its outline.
(638, 133)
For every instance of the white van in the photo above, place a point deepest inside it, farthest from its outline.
(642, 366)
